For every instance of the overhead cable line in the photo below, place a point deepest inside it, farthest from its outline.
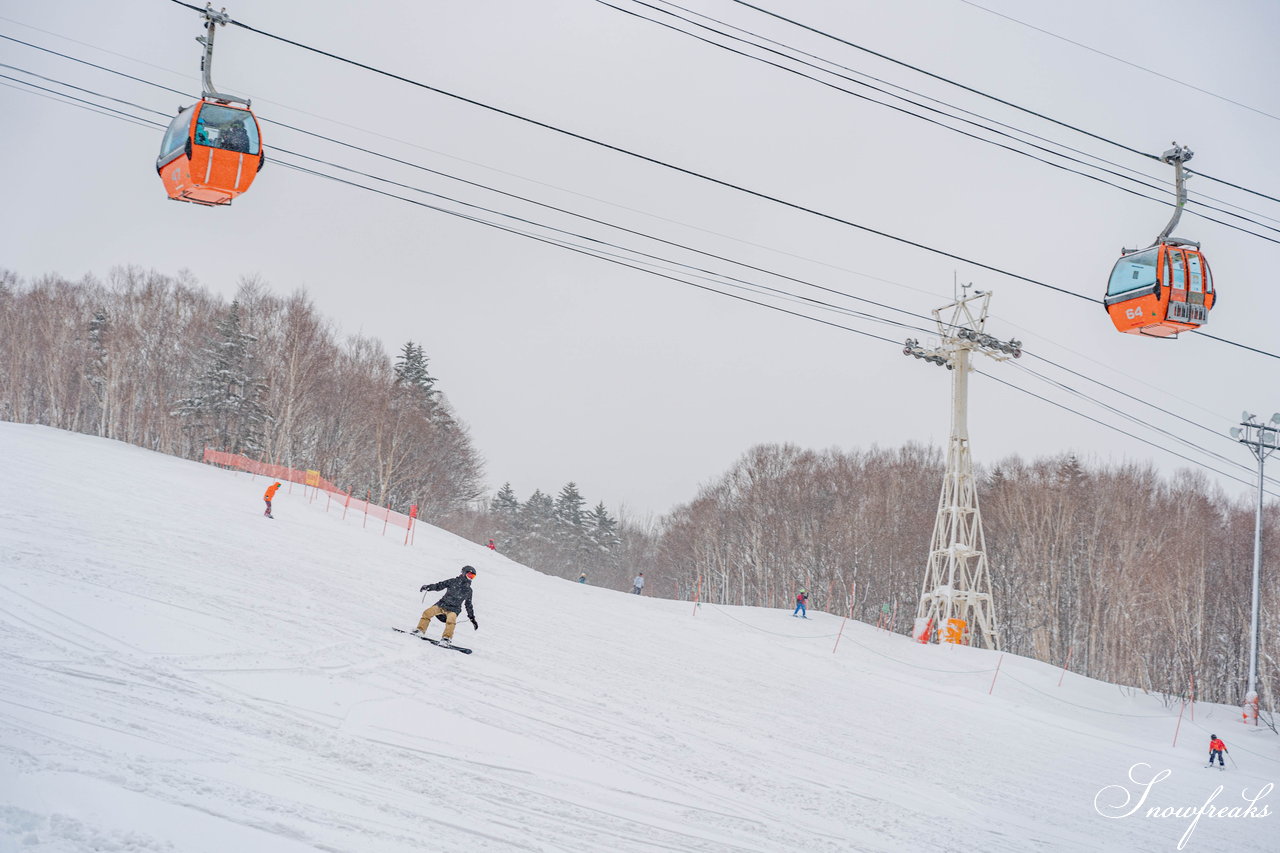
(431, 150)
(49, 94)
(980, 93)
(942, 79)
(93, 107)
(176, 91)
(680, 169)
(1136, 399)
(622, 228)
(830, 85)
(630, 263)
(950, 106)
(1137, 420)
(654, 160)
(1114, 428)
(1121, 60)
(601, 253)
(994, 269)
(646, 259)
(593, 252)
(699, 272)
(1142, 179)
(475, 184)
(580, 250)
(533, 201)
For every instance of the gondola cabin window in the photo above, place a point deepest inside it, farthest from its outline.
(227, 128)
(1134, 272)
(175, 138)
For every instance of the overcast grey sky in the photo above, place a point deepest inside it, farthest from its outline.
(640, 388)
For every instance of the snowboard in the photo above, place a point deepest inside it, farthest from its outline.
(434, 642)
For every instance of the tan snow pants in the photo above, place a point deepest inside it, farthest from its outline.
(450, 620)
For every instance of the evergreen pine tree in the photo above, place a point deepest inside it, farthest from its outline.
(538, 516)
(227, 408)
(604, 541)
(602, 529)
(413, 381)
(569, 505)
(505, 506)
(505, 503)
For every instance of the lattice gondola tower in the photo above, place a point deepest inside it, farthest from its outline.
(957, 583)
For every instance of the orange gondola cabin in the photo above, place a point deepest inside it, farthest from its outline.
(211, 153)
(1160, 291)
(1165, 288)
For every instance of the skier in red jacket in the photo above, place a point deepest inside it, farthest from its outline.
(1216, 748)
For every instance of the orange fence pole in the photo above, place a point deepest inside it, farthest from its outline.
(853, 593)
(386, 518)
(368, 493)
(413, 513)
(999, 661)
(1065, 665)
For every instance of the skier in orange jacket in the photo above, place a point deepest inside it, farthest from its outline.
(270, 493)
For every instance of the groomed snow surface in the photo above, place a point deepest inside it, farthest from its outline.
(179, 673)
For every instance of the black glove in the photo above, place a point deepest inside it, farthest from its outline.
(424, 588)
(475, 624)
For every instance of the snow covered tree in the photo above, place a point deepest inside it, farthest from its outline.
(226, 409)
(602, 529)
(505, 503)
(413, 381)
(569, 514)
(538, 516)
(96, 369)
(505, 508)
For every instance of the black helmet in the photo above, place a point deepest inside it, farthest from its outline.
(468, 570)
(1214, 737)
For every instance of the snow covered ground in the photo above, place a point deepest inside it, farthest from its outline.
(178, 673)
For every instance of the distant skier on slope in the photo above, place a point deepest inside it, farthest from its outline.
(1216, 748)
(268, 496)
(457, 593)
(801, 610)
(637, 585)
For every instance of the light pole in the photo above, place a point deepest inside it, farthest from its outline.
(1262, 440)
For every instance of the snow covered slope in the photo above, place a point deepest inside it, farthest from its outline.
(178, 673)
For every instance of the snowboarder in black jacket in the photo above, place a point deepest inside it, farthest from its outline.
(457, 593)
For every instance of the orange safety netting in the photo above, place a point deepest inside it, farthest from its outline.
(313, 480)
